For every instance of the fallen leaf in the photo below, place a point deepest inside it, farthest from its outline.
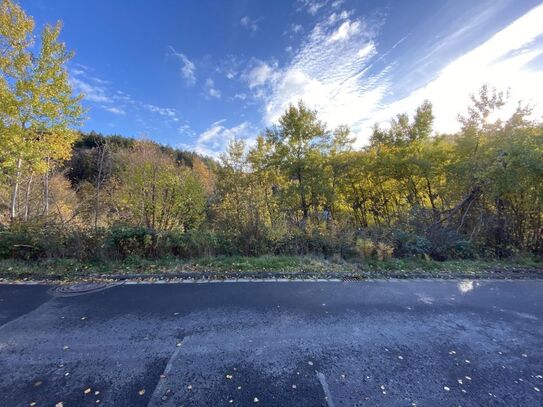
(141, 392)
(38, 383)
(59, 404)
(96, 393)
(310, 363)
(256, 400)
(87, 391)
(293, 386)
(229, 376)
(446, 388)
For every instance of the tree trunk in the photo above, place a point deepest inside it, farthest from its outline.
(15, 192)
(46, 190)
(27, 197)
(98, 186)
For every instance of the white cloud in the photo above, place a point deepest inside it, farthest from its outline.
(332, 79)
(500, 62)
(345, 31)
(215, 139)
(334, 71)
(312, 6)
(115, 110)
(210, 91)
(163, 111)
(188, 69)
(296, 28)
(92, 92)
(248, 23)
(186, 130)
(260, 74)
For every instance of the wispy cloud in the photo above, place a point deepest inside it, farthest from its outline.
(345, 31)
(162, 111)
(188, 68)
(101, 94)
(261, 73)
(93, 92)
(210, 91)
(215, 139)
(502, 62)
(329, 71)
(115, 110)
(296, 28)
(312, 6)
(340, 71)
(249, 23)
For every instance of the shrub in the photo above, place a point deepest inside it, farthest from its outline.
(383, 251)
(408, 244)
(364, 247)
(128, 241)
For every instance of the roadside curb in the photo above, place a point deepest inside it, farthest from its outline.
(257, 276)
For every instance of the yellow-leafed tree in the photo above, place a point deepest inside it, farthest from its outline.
(38, 110)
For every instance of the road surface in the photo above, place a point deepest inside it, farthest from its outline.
(390, 343)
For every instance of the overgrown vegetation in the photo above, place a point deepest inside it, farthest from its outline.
(301, 189)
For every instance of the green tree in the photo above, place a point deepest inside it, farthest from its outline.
(158, 193)
(37, 106)
(296, 151)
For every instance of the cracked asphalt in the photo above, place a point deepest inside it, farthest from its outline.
(391, 343)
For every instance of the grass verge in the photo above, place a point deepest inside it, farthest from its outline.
(266, 267)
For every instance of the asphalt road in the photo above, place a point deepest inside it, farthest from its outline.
(396, 343)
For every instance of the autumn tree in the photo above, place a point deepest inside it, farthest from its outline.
(158, 193)
(37, 108)
(296, 151)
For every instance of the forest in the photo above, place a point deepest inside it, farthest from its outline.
(301, 188)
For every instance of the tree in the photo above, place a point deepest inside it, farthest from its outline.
(296, 150)
(37, 106)
(156, 192)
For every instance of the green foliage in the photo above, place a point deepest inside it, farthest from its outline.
(300, 189)
(132, 241)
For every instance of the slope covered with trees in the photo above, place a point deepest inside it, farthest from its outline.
(301, 188)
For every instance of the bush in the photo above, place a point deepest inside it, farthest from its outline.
(364, 247)
(408, 244)
(127, 241)
(194, 243)
(448, 244)
(32, 242)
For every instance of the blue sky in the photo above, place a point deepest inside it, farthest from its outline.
(194, 74)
